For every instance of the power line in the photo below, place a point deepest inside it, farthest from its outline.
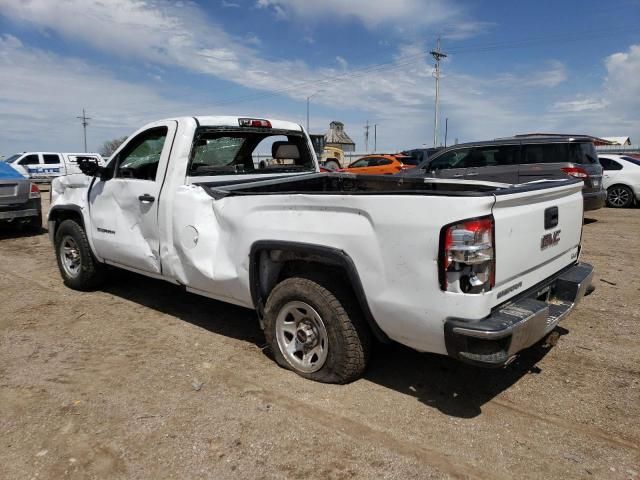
(85, 123)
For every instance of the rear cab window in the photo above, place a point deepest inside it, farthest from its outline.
(224, 151)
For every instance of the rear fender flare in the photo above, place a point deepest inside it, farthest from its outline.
(332, 257)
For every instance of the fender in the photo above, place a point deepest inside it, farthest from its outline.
(328, 255)
(63, 211)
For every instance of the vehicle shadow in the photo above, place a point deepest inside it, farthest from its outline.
(587, 221)
(8, 232)
(217, 317)
(454, 388)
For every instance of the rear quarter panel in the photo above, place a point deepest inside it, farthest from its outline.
(393, 241)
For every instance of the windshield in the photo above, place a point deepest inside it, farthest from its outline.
(249, 151)
(12, 158)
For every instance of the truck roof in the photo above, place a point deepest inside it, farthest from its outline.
(226, 121)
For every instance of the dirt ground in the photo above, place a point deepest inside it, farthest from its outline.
(141, 380)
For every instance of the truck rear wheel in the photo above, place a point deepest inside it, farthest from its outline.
(78, 267)
(317, 332)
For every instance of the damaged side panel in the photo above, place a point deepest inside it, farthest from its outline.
(125, 230)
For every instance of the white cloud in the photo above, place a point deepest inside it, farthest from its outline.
(38, 111)
(252, 39)
(622, 85)
(579, 105)
(615, 108)
(161, 34)
(370, 12)
(553, 75)
(342, 62)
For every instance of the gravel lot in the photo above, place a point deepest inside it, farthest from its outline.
(141, 380)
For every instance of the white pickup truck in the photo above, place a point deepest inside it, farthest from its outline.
(329, 261)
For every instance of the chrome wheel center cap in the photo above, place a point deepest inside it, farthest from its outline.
(306, 335)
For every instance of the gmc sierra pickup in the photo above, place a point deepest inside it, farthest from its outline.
(478, 271)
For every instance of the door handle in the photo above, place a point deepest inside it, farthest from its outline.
(146, 198)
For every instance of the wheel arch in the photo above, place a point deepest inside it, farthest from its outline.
(271, 261)
(59, 214)
(621, 184)
(635, 195)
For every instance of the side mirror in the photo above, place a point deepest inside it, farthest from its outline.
(91, 168)
(88, 166)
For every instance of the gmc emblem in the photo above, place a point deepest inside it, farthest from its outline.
(550, 240)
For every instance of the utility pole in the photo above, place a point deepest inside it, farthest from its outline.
(366, 137)
(85, 123)
(375, 137)
(446, 130)
(437, 55)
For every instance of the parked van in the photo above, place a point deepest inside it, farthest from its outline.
(521, 160)
(44, 166)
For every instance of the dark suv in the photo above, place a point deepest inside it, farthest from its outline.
(521, 160)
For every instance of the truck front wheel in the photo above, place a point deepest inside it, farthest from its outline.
(78, 267)
(315, 331)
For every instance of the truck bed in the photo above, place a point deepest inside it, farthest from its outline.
(350, 184)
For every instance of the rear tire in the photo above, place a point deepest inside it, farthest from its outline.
(317, 330)
(619, 196)
(78, 267)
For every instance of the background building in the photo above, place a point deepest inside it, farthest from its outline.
(337, 137)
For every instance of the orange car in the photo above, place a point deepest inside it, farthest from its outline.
(381, 164)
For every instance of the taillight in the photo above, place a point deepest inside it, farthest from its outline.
(577, 172)
(467, 256)
(35, 191)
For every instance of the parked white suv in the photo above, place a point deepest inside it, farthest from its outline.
(47, 165)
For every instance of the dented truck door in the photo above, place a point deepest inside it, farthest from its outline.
(124, 207)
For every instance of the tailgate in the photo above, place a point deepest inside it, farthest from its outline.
(537, 234)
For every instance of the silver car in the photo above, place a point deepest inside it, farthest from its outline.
(19, 199)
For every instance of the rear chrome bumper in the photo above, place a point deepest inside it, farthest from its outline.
(496, 339)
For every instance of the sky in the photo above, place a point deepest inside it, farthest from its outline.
(512, 67)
